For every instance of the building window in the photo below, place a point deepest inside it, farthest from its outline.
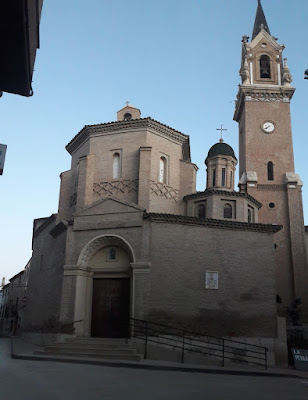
(162, 170)
(270, 171)
(227, 210)
(231, 178)
(251, 215)
(214, 177)
(116, 164)
(111, 254)
(265, 67)
(201, 211)
(223, 177)
(127, 116)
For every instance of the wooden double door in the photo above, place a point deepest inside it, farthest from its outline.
(110, 308)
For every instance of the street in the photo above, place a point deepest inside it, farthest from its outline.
(37, 380)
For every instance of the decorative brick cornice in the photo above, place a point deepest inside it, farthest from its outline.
(118, 126)
(225, 193)
(265, 93)
(211, 223)
(271, 187)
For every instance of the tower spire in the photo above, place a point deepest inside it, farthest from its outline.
(260, 21)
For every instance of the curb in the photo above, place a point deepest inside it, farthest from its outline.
(123, 364)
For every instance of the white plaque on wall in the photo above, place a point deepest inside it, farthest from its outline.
(211, 279)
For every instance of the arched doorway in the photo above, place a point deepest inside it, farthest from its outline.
(108, 259)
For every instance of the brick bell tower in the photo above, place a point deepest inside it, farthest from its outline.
(266, 162)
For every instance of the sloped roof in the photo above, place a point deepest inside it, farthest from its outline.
(227, 193)
(212, 223)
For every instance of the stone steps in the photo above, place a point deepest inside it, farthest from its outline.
(116, 349)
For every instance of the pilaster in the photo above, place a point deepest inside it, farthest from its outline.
(85, 182)
(144, 177)
(297, 239)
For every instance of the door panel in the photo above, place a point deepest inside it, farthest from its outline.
(110, 307)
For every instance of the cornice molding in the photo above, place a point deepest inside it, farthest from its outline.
(120, 126)
(263, 93)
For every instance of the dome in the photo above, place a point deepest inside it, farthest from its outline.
(221, 149)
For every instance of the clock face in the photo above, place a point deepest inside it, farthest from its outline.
(268, 127)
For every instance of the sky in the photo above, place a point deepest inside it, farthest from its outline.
(176, 60)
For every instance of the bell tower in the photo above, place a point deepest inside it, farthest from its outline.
(266, 161)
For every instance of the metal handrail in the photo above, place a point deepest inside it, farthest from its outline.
(197, 342)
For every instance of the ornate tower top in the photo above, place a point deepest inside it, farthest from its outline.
(260, 22)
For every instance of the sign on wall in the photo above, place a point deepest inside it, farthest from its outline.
(2, 157)
(211, 279)
(300, 358)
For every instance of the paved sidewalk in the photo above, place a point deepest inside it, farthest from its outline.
(26, 351)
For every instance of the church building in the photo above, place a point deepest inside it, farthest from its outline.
(134, 239)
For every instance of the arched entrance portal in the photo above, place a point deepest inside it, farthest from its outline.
(108, 259)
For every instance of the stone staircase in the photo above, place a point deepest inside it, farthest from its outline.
(97, 348)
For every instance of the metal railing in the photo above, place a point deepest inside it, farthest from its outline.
(187, 341)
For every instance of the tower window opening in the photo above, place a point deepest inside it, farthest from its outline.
(251, 216)
(231, 178)
(227, 210)
(201, 211)
(270, 171)
(214, 177)
(116, 166)
(223, 177)
(265, 67)
(162, 170)
(127, 116)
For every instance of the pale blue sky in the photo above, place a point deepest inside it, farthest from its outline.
(176, 60)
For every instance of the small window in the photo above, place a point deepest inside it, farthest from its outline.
(265, 67)
(116, 166)
(201, 211)
(270, 171)
(251, 215)
(127, 116)
(223, 177)
(227, 210)
(112, 254)
(231, 179)
(214, 177)
(162, 170)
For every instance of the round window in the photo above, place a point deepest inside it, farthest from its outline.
(271, 205)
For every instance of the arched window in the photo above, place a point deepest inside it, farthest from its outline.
(227, 210)
(223, 177)
(270, 171)
(214, 177)
(162, 170)
(265, 67)
(127, 116)
(111, 254)
(116, 166)
(201, 211)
